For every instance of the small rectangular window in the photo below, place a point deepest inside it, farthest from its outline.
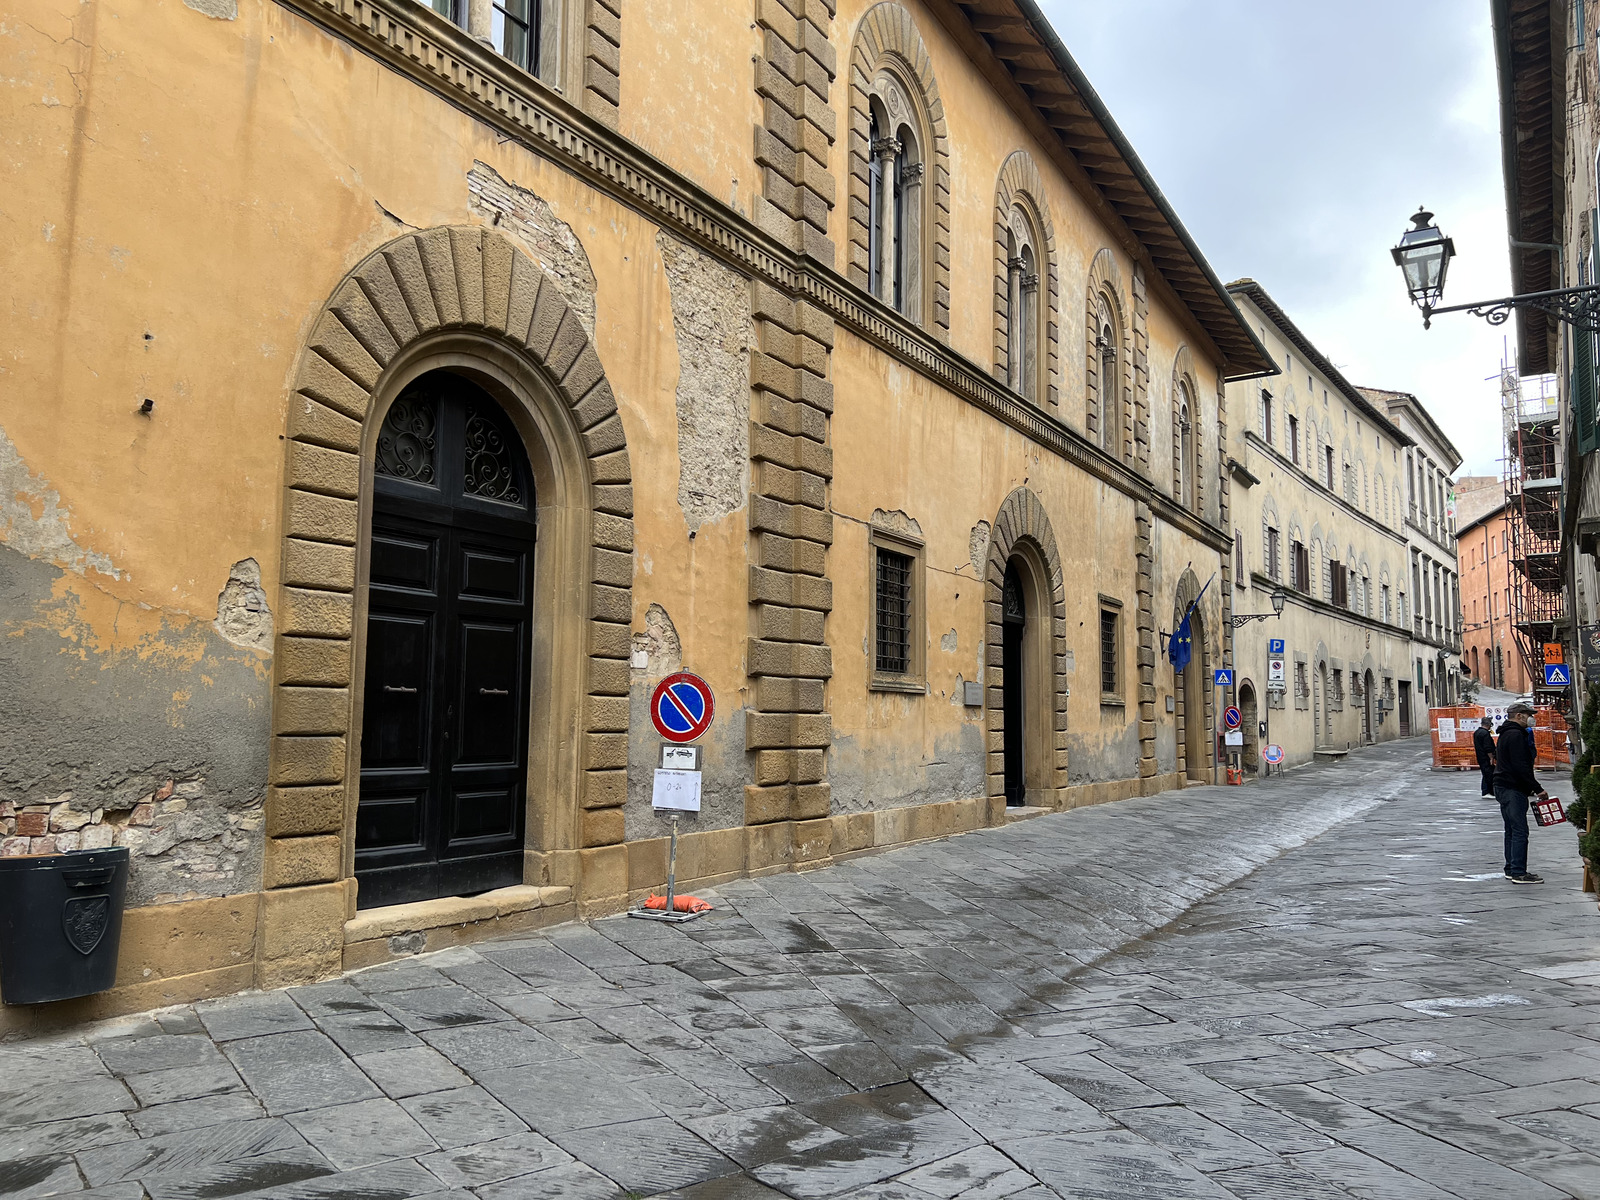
(1302, 567)
(1266, 419)
(1272, 554)
(1294, 440)
(898, 654)
(894, 612)
(1109, 674)
(1239, 570)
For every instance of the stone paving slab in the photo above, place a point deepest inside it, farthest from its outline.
(1320, 988)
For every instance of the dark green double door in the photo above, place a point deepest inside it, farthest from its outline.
(444, 739)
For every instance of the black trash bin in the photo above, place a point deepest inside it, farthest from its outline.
(60, 923)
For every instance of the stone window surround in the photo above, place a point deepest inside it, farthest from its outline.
(914, 679)
(1114, 699)
(888, 45)
(1019, 190)
(442, 58)
(1105, 292)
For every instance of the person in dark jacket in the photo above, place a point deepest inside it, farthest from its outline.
(1483, 744)
(1513, 784)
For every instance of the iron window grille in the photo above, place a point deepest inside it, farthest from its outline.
(894, 612)
(1108, 651)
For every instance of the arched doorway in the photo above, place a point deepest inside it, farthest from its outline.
(1319, 703)
(1194, 680)
(1368, 723)
(444, 754)
(1250, 722)
(1014, 622)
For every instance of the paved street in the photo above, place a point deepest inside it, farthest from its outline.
(1313, 989)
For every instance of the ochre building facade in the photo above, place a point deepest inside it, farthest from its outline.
(391, 403)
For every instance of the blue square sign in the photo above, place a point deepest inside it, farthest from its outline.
(1224, 678)
(1556, 675)
(1274, 645)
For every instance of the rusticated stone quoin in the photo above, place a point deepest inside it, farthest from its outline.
(794, 75)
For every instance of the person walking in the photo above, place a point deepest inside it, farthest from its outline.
(1483, 745)
(1513, 784)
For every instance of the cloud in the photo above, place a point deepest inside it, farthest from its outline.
(1295, 139)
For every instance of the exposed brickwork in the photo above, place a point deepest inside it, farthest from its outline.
(1019, 182)
(794, 76)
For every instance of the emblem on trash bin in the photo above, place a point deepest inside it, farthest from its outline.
(85, 919)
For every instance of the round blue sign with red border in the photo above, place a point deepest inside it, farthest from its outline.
(1231, 717)
(681, 707)
(1273, 754)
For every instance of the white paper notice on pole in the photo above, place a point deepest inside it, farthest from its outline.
(677, 791)
(1233, 737)
(1447, 729)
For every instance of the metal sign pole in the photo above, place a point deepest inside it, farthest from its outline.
(672, 864)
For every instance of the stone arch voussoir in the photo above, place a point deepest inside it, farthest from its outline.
(1022, 521)
(459, 279)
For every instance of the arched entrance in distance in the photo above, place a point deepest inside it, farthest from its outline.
(1193, 687)
(1319, 702)
(1028, 709)
(467, 301)
(1369, 724)
(1250, 722)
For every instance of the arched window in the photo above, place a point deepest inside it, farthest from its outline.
(1022, 307)
(895, 199)
(1186, 463)
(1108, 379)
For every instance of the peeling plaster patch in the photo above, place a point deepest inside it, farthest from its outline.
(33, 522)
(222, 10)
(896, 522)
(658, 644)
(548, 239)
(948, 642)
(711, 318)
(978, 547)
(242, 613)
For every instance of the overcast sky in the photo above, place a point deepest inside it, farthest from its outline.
(1294, 139)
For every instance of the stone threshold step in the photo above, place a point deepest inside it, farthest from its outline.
(1025, 812)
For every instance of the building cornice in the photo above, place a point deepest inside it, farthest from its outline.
(1320, 490)
(1267, 584)
(419, 44)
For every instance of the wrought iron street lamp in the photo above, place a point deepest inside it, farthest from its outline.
(1424, 254)
(1279, 599)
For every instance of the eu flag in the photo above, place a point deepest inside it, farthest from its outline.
(1180, 646)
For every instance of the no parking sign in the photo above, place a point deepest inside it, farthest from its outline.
(682, 707)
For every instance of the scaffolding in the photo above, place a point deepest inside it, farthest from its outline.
(1532, 476)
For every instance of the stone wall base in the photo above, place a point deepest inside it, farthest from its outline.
(196, 949)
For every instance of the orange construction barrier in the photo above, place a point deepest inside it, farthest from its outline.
(1550, 738)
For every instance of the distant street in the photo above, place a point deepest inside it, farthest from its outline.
(1314, 988)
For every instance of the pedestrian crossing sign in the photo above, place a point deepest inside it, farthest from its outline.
(1556, 675)
(1224, 678)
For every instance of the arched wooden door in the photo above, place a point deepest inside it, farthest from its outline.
(1014, 620)
(1250, 723)
(444, 736)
